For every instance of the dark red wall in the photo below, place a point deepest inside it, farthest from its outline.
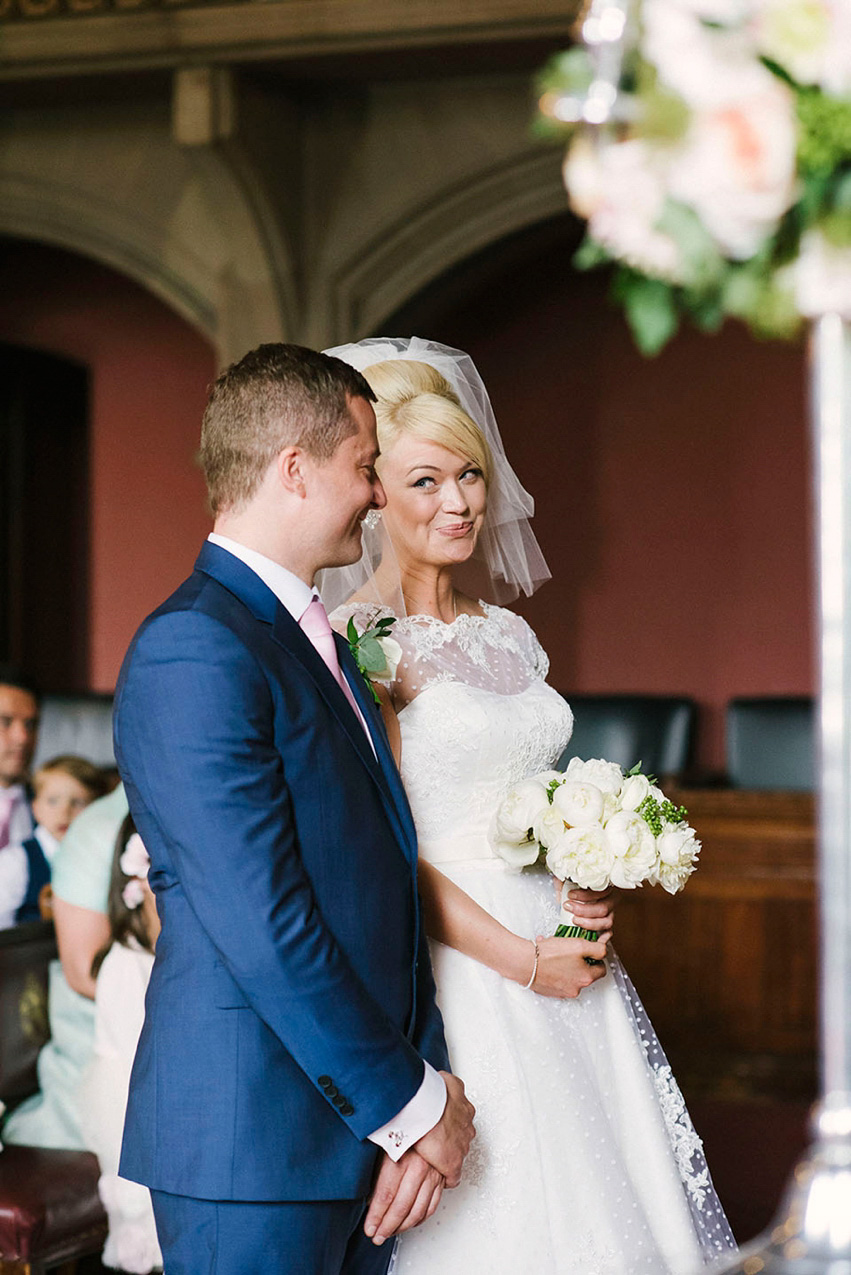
(149, 372)
(672, 494)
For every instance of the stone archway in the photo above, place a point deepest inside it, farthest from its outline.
(183, 222)
(457, 222)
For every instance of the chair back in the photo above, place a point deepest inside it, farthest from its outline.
(656, 730)
(771, 743)
(78, 723)
(25, 955)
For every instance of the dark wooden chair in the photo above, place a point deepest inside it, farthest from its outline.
(656, 730)
(50, 1211)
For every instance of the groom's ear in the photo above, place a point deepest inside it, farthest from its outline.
(291, 470)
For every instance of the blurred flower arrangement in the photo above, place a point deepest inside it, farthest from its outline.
(709, 153)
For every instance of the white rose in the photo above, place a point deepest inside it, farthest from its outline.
(548, 777)
(519, 810)
(619, 189)
(633, 849)
(811, 39)
(521, 855)
(677, 848)
(578, 803)
(605, 775)
(821, 277)
(736, 167)
(635, 789)
(392, 652)
(548, 827)
(705, 66)
(582, 855)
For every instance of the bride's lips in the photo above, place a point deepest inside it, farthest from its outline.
(456, 530)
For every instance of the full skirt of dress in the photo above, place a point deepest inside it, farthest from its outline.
(586, 1161)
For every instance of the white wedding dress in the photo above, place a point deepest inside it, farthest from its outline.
(586, 1161)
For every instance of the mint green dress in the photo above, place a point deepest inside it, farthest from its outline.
(81, 870)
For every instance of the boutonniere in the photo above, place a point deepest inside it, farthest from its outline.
(375, 652)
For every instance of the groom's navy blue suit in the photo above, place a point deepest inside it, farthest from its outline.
(291, 1001)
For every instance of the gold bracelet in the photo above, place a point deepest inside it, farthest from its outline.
(526, 986)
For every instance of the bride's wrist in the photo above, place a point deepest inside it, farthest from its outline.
(522, 961)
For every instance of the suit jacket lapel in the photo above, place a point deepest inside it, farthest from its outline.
(372, 714)
(247, 586)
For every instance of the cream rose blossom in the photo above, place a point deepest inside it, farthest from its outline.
(605, 775)
(635, 789)
(582, 855)
(578, 803)
(632, 847)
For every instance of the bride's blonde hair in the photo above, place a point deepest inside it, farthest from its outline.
(414, 399)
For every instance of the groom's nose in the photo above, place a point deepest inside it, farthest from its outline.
(379, 496)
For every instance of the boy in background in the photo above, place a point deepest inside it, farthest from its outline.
(63, 787)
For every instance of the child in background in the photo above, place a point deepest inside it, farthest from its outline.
(63, 787)
(122, 970)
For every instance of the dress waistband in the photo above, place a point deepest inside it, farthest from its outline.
(467, 847)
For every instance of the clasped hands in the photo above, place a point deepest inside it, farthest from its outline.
(408, 1190)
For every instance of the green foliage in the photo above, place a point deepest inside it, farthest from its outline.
(824, 141)
(650, 308)
(367, 650)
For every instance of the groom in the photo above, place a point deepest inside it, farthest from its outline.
(292, 1064)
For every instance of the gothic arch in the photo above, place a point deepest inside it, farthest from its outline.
(460, 220)
(184, 223)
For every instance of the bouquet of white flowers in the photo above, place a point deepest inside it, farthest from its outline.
(595, 826)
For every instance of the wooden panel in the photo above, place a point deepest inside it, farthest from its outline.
(728, 968)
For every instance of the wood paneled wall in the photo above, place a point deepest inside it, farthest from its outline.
(727, 969)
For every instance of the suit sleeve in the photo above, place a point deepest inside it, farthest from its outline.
(194, 743)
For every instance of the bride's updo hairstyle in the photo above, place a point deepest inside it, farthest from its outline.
(414, 399)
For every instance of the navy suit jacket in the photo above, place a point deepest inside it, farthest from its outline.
(291, 1001)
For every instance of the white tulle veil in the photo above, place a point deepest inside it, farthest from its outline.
(508, 558)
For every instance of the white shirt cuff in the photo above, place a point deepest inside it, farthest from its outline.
(416, 1117)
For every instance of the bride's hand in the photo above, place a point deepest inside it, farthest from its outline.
(562, 971)
(593, 909)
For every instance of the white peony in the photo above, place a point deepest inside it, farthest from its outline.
(633, 849)
(578, 803)
(548, 827)
(811, 39)
(547, 777)
(582, 855)
(392, 652)
(619, 189)
(705, 66)
(635, 789)
(519, 810)
(736, 167)
(605, 775)
(821, 277)
(677, 848)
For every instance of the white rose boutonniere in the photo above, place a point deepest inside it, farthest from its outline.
(375, 652)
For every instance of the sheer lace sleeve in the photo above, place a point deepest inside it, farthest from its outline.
(495, 651)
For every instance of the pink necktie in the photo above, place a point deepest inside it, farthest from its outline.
(314, 624)
(8, 798)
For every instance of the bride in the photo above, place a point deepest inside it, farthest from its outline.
(586, 1161)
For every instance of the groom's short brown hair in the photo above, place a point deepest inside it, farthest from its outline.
(274, 397)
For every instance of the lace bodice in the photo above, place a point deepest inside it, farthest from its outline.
(475, 716)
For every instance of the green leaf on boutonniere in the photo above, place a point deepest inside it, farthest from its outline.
(367, 651)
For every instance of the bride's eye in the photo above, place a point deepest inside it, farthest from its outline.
(421, 482)
(473, 472)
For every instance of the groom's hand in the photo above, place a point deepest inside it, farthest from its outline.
(446, 1145)
(406, 1193)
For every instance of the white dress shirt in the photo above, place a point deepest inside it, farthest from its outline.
(424, 1110)
(15, 874)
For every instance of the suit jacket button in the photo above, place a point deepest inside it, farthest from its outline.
(337, 1100)
(325, 1082)
(347, 1109)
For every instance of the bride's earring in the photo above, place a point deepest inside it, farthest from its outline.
(373, 518)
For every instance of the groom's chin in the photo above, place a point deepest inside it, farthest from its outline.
(349, 551)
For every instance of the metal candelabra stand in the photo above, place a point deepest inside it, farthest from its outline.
(811, 1234)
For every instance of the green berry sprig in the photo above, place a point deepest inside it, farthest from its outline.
(657, 813)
